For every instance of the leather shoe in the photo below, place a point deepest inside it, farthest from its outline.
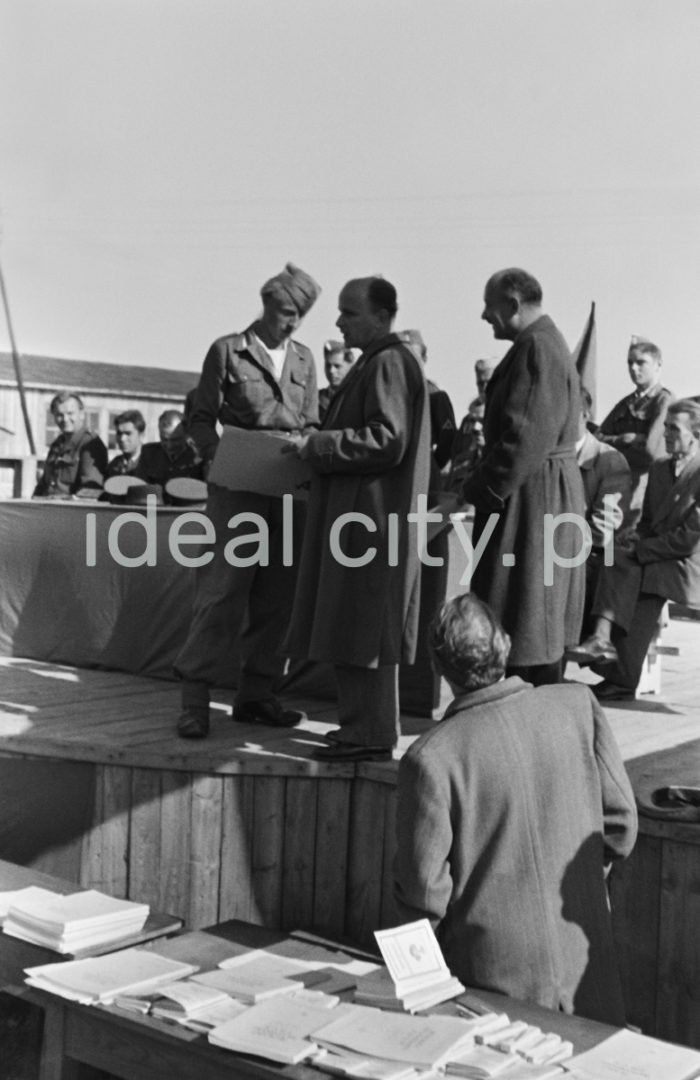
(593, 651)
(609, 691)
(193, 723)
(352, 752)
(268, 711)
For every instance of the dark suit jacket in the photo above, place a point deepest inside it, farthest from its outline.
(507, 811)
(669, 544)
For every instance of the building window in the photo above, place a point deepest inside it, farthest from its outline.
(112, 433)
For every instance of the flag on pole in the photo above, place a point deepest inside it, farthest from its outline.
(584, 356)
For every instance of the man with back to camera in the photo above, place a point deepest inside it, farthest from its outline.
(510, 812)
(337, 361)
(371, 457)
(528, 470)
(77, 459)
(635, 426)
(129, 428)
(262, 380)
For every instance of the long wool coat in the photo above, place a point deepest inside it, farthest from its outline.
(371, 457)
(508, 810)
(528, 470)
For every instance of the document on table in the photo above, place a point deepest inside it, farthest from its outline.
(422, 1041)
(628, 1056)
(256, 461)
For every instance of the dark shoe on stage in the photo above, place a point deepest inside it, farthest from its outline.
(193, 723)
(268, 711)
(340, 752)
(593, 651)
(194, 718)
(608, 691)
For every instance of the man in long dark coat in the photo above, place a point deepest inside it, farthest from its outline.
(532, 570)
(356, 603)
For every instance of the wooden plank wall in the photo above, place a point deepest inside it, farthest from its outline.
(280, 851)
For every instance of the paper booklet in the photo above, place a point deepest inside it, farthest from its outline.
(628, 1056)
(281, 1030)
(255, 461)
(100, 979)
(418, 976)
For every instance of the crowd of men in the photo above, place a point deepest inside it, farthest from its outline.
(519, 792)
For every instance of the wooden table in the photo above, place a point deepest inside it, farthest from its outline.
(134, 1047)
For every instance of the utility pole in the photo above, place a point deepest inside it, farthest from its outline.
(18, 367)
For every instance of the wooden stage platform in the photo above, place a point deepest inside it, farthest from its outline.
(246, 825)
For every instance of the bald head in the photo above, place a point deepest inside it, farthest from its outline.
(512, 300)
(367, 310)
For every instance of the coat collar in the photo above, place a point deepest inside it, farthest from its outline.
(589, 451)
(248, 342)
(389, 341)
(486, 695)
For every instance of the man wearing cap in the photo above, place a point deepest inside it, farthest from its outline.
(260, 380)
(635, 426)
(337, 361)
(356, 601)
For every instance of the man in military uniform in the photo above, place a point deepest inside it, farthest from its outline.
(77, 459)
(260, 380)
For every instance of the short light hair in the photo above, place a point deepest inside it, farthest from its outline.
(646, 348)
(516, 282)
(467, 643)
(691, 409)
(63, 397)
(131, 416)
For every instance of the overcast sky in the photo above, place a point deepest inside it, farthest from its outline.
(160, 159)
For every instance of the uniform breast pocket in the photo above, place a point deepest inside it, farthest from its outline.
(297, 388)
(246, 393)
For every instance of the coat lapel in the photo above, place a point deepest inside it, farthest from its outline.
(681, 487)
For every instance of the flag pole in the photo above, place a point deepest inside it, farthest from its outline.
(18, 367)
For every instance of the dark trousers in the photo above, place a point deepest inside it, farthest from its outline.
(368, 704)
(240, 613)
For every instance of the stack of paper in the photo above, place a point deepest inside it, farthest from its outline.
(70, 923)
(417, 976)
(256, 976)
(101, 979)
(17, 896)
(425, 1042)
(279, 1030)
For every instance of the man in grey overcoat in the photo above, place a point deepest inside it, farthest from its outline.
(510, 811)
(357, 599)
(529, 477)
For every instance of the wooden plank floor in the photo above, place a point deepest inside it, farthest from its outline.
(109, 717)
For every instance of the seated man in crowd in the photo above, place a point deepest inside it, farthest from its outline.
(607, 490)
(509, 812)
(660, 562)
(171, 457)
(77, 459)
(129, 427)
(337, 361)
(635, 426)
